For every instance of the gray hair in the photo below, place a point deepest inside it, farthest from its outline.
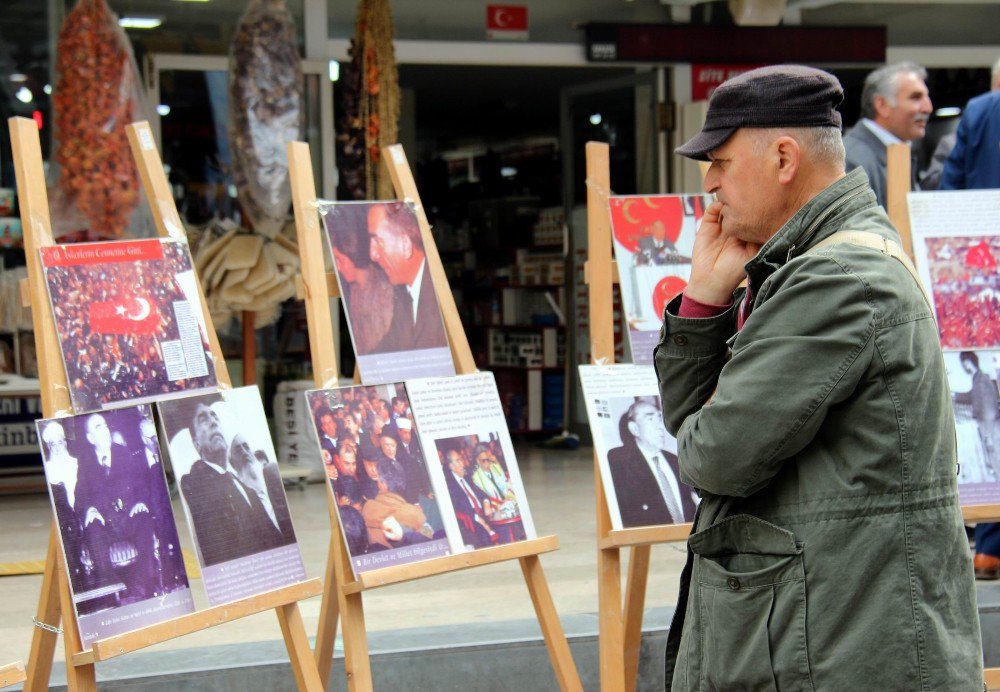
(822, 145)
(884, 82)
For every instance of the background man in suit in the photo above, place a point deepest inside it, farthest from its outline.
(263, 477)
(656, 248)
(62, 474)
(469, 503)
(229, 519)
(895, 107)
(645, 476)
(397, 247)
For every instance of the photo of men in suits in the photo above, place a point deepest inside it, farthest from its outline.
(394, 257)
(112, 507)
(644, 471)
(235, 510)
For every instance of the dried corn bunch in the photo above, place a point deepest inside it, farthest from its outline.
(96, 96)
(265, 111)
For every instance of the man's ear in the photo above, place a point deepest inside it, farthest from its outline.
(407, 246)
(882, 107)
(789, 157)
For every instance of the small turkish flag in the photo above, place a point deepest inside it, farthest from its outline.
(980, 257)
(136, 315)
(508, 22)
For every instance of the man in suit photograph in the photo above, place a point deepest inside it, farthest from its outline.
(263, 477)
(656, 248)
(229, 519)
(644, 473)
(469, 503)
(396, 246)
(62, 471)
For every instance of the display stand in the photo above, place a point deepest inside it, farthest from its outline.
(11, 674)
(897, 188)
(55, 601)
(343, 591)
(620, 624)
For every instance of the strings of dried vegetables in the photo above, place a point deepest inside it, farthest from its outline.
(95, 97)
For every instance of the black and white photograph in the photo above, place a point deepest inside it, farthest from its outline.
(973, 379)
(109, 492)
(221, 450)
(636, 454)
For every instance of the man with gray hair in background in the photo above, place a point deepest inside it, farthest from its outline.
(895, 107)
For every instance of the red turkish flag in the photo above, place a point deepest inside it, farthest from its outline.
(507, 22)
(135, 315)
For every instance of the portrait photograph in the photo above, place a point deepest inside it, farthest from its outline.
(129, 321)
(388, 293)
(973, 379)
(653, 239)
(965, 287)
(109, 492)
(231, 488)
(388, 511)
(636, 455)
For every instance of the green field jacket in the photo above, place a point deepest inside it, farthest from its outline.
(828, 551)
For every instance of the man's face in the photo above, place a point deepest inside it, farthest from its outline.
(241, 456)
(371, 468)
(968, 367)
(658, 230)
(55, 439)
(405, 435)
(388, 445)
(647, 426)
(347, 461)
(399, 407)
(98, 433)
(908, 118)
(148, 433)
(351, 423)
(328, 424)
(485, 459)
(387, 248)
(747, 187)
(456, 464)
(207, 434)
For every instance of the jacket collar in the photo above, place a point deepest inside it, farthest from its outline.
(818, 218)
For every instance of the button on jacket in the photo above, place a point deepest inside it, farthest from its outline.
(828, 552)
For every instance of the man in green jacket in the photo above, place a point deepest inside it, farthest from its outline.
(813, 414)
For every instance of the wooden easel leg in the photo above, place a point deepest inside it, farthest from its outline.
(555, 638)
(43, 642)
(82, 678)
(329, 611)
(357, 663)
(297, 642)
(635, 601)
(610, 624)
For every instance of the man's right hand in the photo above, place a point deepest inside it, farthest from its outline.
(717, 260)
(91, 516)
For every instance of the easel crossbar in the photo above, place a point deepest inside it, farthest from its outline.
(128, 642)
(11, 674)
(645, 535)
(451, 563)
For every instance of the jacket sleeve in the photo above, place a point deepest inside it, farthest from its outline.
(953, 174)
(802, 351)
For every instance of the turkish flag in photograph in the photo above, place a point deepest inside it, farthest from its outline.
(135, 315)
(509, 22)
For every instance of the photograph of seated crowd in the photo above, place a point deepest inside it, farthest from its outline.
(373, 460)
(480, 489)
(106, 479)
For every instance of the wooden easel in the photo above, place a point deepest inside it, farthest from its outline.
(55, 601)
(11, 674)
(897, 188)
(620, 625)
(343, 590)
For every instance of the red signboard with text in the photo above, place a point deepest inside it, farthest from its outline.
(507, 22)
(705, 77)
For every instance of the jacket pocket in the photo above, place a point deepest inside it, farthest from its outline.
(752, 607)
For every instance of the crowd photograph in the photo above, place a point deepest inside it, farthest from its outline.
(372, 457)
(965, 285)
(114, 321)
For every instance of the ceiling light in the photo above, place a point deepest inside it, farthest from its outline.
(18, 77)
(140, 22)
(24, 95)
(163, 109)
(948, 112)
(47, 89)
(596, 119)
